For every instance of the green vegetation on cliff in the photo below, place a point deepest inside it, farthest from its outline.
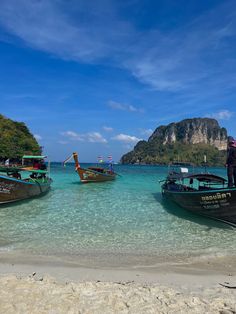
(188, 140)
(16, 139)
(164, 154)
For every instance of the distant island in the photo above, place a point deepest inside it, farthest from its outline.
(16, 139)
(187, 140)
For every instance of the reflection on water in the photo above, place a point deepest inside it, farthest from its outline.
(180, 212)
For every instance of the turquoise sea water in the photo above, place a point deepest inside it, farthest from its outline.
(126, 217)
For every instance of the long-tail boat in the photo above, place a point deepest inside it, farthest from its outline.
(23, 181)
(93, 174)
(201, 193)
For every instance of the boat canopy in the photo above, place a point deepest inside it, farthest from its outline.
(207, 177)
(33, 157)
(18, 169)
(34, 170)
(201, 177)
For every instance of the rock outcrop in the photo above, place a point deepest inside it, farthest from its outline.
(190, 138)
(192, 131)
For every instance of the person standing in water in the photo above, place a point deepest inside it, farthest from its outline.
(231, 162)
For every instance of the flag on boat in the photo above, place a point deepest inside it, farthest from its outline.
(100, 159)
(109, 158)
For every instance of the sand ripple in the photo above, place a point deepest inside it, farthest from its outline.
(45, 295)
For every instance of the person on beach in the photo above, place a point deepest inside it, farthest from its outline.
(231, 162)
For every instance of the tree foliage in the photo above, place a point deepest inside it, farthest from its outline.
(157, 153)
(16, 139)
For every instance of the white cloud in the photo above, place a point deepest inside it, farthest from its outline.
(221, 115)
(73, 135)
(95, 137)
(146, 132)
(54, 27)
(37, 137)
(126, 138)
(107, 128)
(172, 60)
(125, 107)
(63, 142)
(92, 137)
(185, 57)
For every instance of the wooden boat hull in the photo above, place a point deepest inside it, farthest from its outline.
(88, 175)
(218, 204)
(12, 190)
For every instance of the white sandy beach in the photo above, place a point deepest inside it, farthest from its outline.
(48, 288)
(45, 295)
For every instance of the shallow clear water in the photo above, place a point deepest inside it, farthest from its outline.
(126, 216)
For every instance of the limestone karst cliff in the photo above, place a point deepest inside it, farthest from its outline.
(187, 140)
(192, 131)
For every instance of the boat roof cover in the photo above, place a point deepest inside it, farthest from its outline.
(18, 169)
(35, 170)
(33, 157)
(208, 177)
(201, 177)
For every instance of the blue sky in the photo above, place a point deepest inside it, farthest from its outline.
(97, 76)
